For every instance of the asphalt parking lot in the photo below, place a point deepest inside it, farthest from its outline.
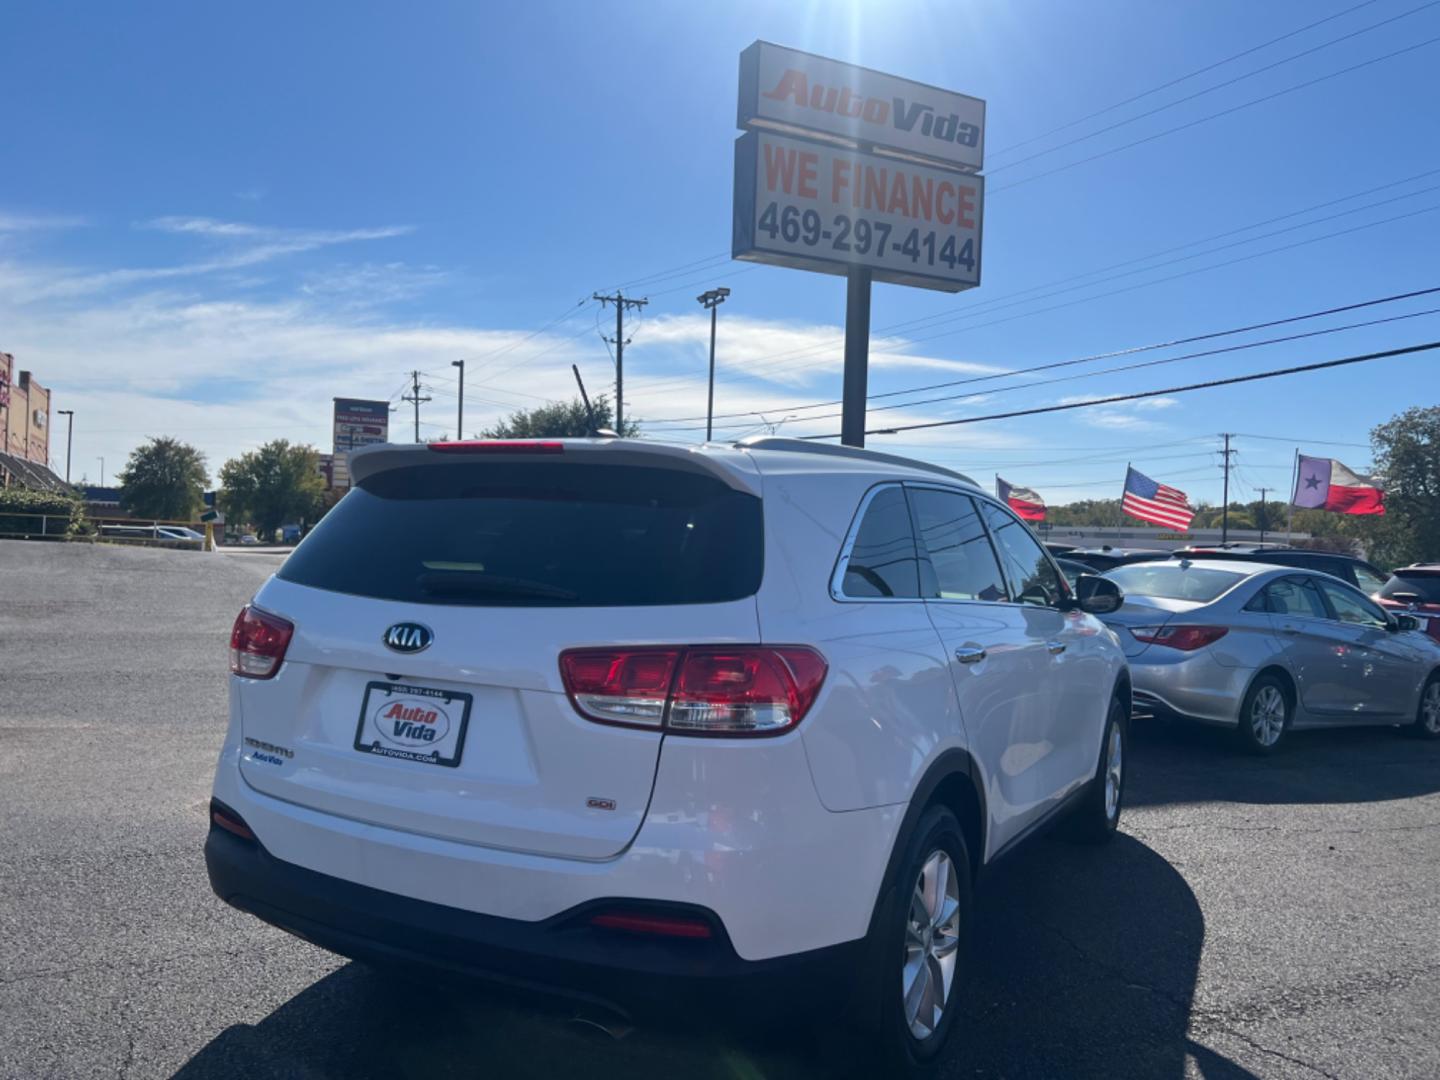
(1270, 918)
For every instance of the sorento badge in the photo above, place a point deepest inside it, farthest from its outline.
(408, 637)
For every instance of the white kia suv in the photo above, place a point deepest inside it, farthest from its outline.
(636, 721)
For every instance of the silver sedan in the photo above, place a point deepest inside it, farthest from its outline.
(1265, 649)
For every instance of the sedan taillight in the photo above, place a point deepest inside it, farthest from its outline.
(258, 642)
(1184, 638)
(732, 690)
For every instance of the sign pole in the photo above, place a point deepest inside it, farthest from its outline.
(857, 355)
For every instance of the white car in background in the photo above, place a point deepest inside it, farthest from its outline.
(645, 721)
(1270, 649)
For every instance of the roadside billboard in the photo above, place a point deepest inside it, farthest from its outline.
(794, 92)
(811, 206)
(358, 423)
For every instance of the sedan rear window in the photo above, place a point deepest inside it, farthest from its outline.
(1173, 582)
(536, 535)
(1426, 586)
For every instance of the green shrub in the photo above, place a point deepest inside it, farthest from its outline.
(18, 508)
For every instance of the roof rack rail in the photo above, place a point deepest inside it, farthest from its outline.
(806, 446)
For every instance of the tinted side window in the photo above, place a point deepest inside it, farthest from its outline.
(1368, 578)
(1294, 596)
(1352, 608)
(1032, 576)
(951, 534)
(882, 560)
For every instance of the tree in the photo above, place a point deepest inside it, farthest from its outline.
(164, 478)
(278, 483)
(558, 421)
(1406, 452)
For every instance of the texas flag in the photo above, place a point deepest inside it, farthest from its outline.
(1026, 503)
(1326, 484)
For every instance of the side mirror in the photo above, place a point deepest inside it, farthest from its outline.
(1405, 623)
(1097, 595)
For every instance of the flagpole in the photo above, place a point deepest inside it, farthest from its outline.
(1294, 480)
(997, 485)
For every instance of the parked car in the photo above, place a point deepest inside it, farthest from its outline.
(1268, 649)
(1365, 577)
(249, 540)
(641, 721)
(1415, 589)
(1107, 558)
(175, 536)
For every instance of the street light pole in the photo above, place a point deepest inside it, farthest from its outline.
(102, 472)
(460, 409)
(69, 415)
(711, 300)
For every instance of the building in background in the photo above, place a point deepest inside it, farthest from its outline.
(357, 423)
(24, 430)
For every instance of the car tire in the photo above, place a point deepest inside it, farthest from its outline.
(920, 944)
(1427, 714)
(1097, 817)
(1265, 714)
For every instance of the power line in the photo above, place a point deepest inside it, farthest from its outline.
(1211, 89)
(992, 192)
(1234, 379)
(1180, 79)
(756, 370)
(1093, 357)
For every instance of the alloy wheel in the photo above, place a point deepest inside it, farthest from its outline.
(1267, 715)
(932, 942)
(1114, 765)
(1430, 708)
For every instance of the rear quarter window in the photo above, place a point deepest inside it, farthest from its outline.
(536, 534)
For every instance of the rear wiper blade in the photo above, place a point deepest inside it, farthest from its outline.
(460, 581)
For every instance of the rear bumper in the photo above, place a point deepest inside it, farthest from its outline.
(561, 955)
(1193, 688)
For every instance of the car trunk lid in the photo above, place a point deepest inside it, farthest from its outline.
(457, 726)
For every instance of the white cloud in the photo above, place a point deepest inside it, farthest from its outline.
(28, 222)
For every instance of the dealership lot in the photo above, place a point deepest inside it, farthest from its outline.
(1258, 918)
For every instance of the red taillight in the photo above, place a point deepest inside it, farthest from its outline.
(1184, 638)
(659, 925)
(497, 446)
(620, 686)
(225, 818)
(696, 690)
(258, 642)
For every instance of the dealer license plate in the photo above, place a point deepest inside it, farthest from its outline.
(413, 723)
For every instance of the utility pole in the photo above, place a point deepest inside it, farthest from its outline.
(102, 472)
(1225, 499)
(414, 396)
(1263, 492)
(621, 303)
(711, 299)
(69, 415)
(460, 409)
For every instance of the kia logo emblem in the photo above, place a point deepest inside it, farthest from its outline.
(408, 637)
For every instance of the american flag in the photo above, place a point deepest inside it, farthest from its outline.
(1158, 504)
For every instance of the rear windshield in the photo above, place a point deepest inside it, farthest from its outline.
(536, 535)
(1173, 582)
(1426, 586)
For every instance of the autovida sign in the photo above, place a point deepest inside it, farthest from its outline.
(796, 92)
(814, 207)
(844, 168)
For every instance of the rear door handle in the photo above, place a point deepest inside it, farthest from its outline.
(1055, 647)
(969, 654)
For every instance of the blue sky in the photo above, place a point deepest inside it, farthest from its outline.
(215, 219)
